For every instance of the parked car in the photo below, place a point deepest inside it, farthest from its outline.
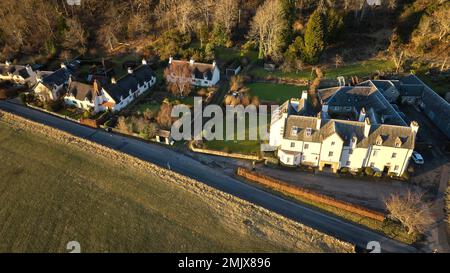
(417, 158)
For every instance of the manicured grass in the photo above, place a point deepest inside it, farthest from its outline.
(360, 69)
(275, 92)
(227, 54)
(53, 193)
(233, 145)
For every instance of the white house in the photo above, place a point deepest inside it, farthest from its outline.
(17, 73)
(50, 85)
(344, 133)
(203, 75)
(114, 95)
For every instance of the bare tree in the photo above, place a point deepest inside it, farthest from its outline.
(164, 118)
(338, 60)
(75, 37)
(411, 211)
(267, 28)
(226, 14)
(179, 79)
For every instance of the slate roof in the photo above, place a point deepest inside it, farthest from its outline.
(199, 70)
(301, 123)
(389, 133)
(354, 98)
(59, 77)
(80, 91)
(129, 82)
(14, 69)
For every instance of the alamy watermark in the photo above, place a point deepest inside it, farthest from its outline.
(211, 123)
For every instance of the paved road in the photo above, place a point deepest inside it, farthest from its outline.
(187, 166)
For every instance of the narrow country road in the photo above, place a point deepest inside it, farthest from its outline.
(185, 165)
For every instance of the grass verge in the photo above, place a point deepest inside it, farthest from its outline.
(390, 228)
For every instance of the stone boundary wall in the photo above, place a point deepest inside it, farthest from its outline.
(301, 192)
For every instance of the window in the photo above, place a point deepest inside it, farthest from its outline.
(396, 168)
(332, 143)
(350, 151)
(348, 163)
(288, 160)
(294, 130)
(330, 153)
(306, 146)
(372, 164)
(375, 153)
(394, 155)
(308, 131)
(292, 144)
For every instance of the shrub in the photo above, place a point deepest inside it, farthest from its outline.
(344, 170)
(53, 106)
(369, 171)
(378, 174)
(405, 176)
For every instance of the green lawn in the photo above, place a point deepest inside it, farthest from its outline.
(360, 69)
(228, 54)
(247, 146)
(275, 92)
(144, 106)
(53, 193)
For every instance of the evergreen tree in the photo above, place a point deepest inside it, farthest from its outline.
(335, 25)
(288, 7)
(315, 37)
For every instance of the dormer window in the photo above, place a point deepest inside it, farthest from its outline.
(379, 140)
(294, 130)
(308, 131)
(398, 142)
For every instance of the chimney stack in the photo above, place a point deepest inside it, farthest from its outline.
(63, 66)
(305, 94)
(170, 59)
(366, 127)
(318, 121)
(7, 63)
(362, 115)
(130, 70)
(144, 61)
(414, 127)
(192, 61)
(113, 80)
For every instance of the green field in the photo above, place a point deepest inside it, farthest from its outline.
(275, 92)
(361, 69)
(53, 193)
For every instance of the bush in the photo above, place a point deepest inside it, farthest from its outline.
(369, 171)
(53, 106)
(344, 170)
(7, 93)
(378, 174)
(405, 176)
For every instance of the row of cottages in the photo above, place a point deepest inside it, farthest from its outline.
(19, 74)
(343, 133)
(201, 74)
(99, 96)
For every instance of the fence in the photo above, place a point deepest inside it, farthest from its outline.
(281, 186)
